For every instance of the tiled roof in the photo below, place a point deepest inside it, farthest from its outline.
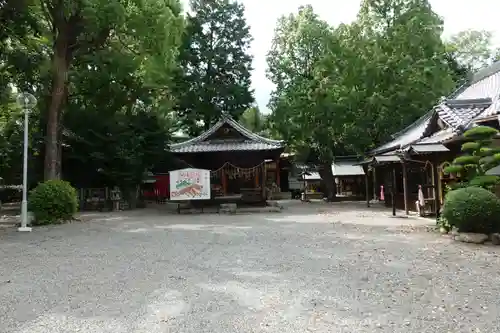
(312, 176)
(474, 101)
(439, 137)
(410, 134)
(460, 112)
(485, 84)
(423, 148)
(385, 158)
(495, 171)
(226, 146)
(347, 168)
(252, 141)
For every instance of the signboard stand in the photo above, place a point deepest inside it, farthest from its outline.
(189, 184)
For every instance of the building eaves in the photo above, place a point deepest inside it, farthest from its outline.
(253, 142)
(410, 134)
(347, 168)
(206, 147)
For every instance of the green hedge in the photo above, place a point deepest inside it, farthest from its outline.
(472, 209)
(54, 201)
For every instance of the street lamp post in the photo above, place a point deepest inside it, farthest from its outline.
(27, 101)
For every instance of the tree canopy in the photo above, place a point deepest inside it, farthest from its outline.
(473, 49)
(101, 72)
(346, 89)
(215, 65)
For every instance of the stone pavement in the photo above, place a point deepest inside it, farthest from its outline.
(311, 268)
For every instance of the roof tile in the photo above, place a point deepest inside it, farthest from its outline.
(230, 146)
(253, 141)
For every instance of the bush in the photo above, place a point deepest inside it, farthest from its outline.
(53, 201)
(472, 209)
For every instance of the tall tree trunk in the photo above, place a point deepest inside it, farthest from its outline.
(326, 174)
(60, 68)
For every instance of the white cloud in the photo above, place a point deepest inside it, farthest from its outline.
(261, 15)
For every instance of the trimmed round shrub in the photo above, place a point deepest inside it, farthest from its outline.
(470, 146)
(472, 209)
(480, 132)
(53, 201)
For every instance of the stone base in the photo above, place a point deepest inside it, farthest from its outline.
(282, 196)
(471, 238)
(228, 208)
(495, 239)
(274, 204)
(24, 229)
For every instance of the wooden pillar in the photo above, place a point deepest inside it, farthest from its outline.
(278, 173)
(257, 171)
(263, 180)
(375, 187)
(367, 188)
(224, 181)
(437, 204)
(393, 190)
(405, 187)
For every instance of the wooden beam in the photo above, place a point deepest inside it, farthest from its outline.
(405, 188)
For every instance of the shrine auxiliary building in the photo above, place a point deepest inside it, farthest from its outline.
(237, 160)
(414, 161)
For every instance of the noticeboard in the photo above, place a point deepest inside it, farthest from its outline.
(189, 184)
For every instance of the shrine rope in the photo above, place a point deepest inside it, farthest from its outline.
(227, 164)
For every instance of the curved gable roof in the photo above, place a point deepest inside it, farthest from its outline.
(253, 141)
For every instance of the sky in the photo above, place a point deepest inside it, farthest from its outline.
(261, 15)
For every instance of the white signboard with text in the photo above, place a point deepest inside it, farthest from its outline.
(189, 184)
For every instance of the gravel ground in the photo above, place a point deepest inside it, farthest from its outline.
(313, 269)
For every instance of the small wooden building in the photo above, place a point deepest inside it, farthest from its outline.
(349, 177)
(243, 164)
(414, 160)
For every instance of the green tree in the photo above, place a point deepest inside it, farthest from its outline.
(459, 72)
(117, 138)
(473, 48)
(76, 28)
(343, 90)
(411, 58)
(298, 104)
(117, 102)
(215, 64)
(253, 119)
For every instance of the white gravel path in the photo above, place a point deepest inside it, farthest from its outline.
(309, 269)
